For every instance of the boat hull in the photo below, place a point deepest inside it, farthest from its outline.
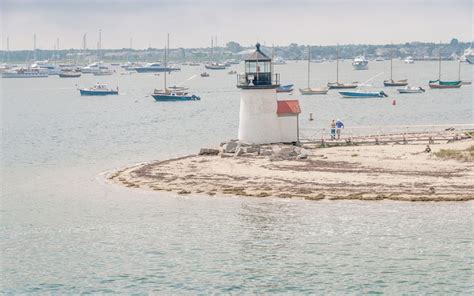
(360, 95)
(174, 98)
(284, 88)
(395, 83)
(341, 86)
(86, 92)
(24, 75)
(309, 92)
(154, 70)
(68, 75)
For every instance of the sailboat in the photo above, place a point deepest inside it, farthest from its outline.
(214, 65)
(463, 82)
(337, 85)
(391, 82)
(308, 90)
(443, 84)
(172, 94)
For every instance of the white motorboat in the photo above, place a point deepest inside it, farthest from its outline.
(409, 60)
(360, 63)
(411, 90)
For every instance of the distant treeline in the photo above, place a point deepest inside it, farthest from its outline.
(233, 50)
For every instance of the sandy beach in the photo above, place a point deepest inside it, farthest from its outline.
(395, 172)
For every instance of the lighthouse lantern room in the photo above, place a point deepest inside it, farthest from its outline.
(259, 120)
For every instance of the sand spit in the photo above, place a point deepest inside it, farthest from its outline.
(395, 172)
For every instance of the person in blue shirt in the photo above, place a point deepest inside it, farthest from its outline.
(339, 126)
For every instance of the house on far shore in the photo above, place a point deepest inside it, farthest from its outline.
(263, 118)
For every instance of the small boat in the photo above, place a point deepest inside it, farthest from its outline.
(204, 74)
(379, 59)
(154, 68)
(445, 84)
(337, 84)
(70, 74)
(360, 63)
(25, 73)
(98, 90)
(284, 88)
(411, 90)
(391, 82)
(232, 72)
(174, 93)
(308, 90)
(215, 66)
(103, 71)
(439, 84)
(409, 60)
(362, 95)
(314, 91)
(194, 64)
(468, 55)
(279, 61)
(172, 96)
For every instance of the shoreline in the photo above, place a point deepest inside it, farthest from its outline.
(402, 172)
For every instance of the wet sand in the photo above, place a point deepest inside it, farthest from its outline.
(394, 172)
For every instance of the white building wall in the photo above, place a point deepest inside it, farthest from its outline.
(259, 122)
(288, 128)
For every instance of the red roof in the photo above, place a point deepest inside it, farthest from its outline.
(288, 107)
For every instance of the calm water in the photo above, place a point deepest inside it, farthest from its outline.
(64, 230)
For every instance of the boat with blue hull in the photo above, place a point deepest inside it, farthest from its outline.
(284, 88)
(98, 90)
(155, 68)
(174, 97)
(362, 95)
(175, 93)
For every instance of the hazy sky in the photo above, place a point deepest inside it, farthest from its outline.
(192, 23)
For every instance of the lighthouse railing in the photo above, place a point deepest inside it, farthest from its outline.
(260, 80)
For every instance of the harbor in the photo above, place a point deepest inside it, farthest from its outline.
(228, 148)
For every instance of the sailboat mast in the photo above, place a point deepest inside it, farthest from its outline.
(309, 59)
(391, 64)
(337, 63)
(166, 59)
(439, 67)
(459, 71)
(34, 47)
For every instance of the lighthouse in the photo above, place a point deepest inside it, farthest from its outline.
(263, 119)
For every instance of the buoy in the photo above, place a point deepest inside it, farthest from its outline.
(394, 102)
(311, 117)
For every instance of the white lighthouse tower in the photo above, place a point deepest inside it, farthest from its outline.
(260, 121)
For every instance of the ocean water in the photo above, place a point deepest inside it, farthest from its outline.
(64, 229)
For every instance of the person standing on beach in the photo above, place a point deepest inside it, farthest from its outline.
(339, 126)
(333, 130)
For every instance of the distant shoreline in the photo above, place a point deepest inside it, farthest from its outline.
(376, 172)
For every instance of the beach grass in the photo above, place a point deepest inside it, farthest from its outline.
(460, 155)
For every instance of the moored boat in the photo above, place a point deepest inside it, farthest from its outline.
(232, 72)
(215, 66)
(175, 93)
(284, 88)
(409, 60)
(445, 84)
(439, 84)
(154, 68)
(98, 90)
(25, 73)
(360, 63)
(70, 74)
(308, 90)
(362, 95)
(204, 74)
(411, 90)
(391, 82)
(337, 84)
(314, 91)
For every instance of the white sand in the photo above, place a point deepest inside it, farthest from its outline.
(398, 172)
